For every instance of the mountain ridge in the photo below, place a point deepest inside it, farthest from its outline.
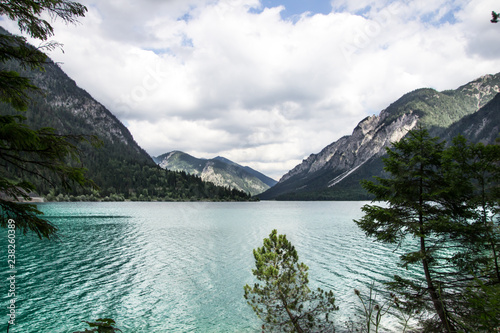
(218, 170)
(121, 168)
(330, 174)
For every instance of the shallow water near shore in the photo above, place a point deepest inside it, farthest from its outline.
(180, 266)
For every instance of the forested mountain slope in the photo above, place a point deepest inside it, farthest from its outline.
(120, 168)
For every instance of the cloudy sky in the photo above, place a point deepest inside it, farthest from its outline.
(265, 83)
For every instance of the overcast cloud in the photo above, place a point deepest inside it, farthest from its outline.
(259, 84)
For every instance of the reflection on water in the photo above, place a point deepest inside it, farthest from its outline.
(180, 267)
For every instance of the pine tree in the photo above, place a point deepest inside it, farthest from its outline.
(435, 209)
(284, 301)
(27, 152)
(476, 168)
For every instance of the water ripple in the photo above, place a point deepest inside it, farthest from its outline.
(181, 267)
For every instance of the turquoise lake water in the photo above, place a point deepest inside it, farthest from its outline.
(180, 267)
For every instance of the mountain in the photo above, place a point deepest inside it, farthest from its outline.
(121, 168)
(481, 126)
(335, 172)
(218, 170)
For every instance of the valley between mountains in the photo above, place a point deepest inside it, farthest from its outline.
(122, 170)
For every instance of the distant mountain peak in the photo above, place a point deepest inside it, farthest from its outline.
(218, 170)
(225, 160)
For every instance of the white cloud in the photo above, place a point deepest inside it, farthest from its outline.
(260, 90)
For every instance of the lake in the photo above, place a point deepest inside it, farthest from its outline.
(180, 266)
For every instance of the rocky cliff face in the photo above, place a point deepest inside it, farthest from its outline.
(334, 172)
(482, 89)
(368, 139)
(64, 97)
